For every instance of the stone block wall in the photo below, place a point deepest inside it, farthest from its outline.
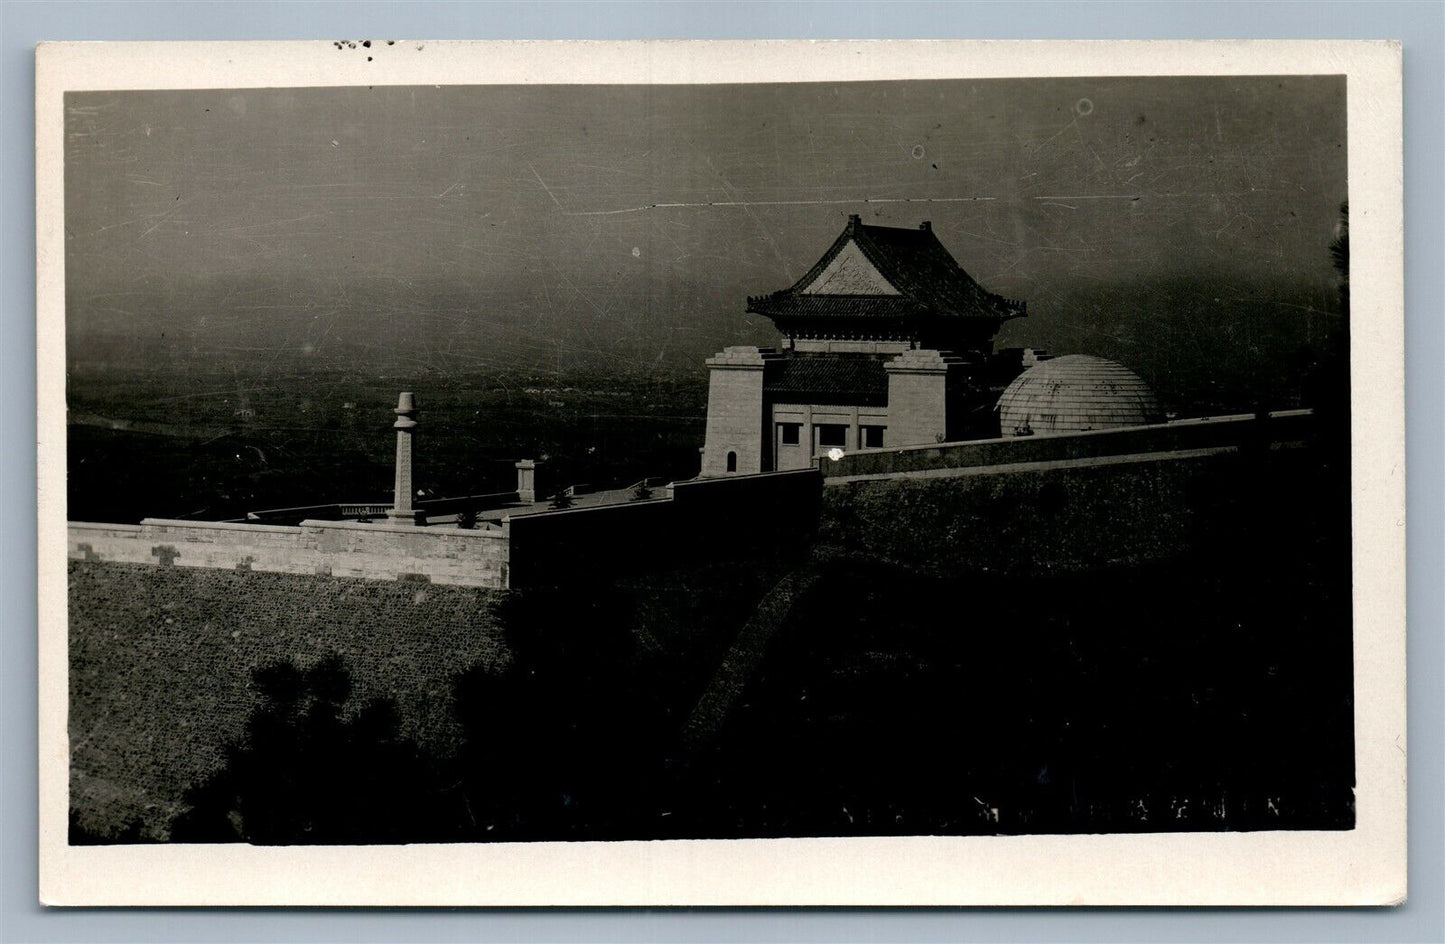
(475, 558)
(696, 520)
(700, 520)
(736, 423)
(585, 545)
(918, 387)
(1017, 522)
(1214, 433)
(161, 660)
(1041, 519)
(809, 416)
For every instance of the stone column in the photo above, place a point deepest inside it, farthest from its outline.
(527, 480)
(405, 426)
(736, 422)
(918, 388)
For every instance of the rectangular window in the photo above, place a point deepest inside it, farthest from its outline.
(832, 434)
(789, 433)
(872, 437)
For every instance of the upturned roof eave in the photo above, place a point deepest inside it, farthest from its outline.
(924, 301)
(775, 306)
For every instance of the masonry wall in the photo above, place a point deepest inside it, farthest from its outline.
(1069, 517)
(1228, 432)
(735, 419)
(161, 658)
(809, 416)
(475, 558)
(704, 519)
(161, 654)
(698, 520)
(918, 383)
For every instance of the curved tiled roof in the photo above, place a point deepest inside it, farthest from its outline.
(838, 306)
(1074, 393)
(929, 281)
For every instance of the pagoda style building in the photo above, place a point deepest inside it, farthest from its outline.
(886, 342)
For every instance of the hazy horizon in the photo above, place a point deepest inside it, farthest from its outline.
(1180, 225)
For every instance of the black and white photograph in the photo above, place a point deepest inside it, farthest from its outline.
(498, 465)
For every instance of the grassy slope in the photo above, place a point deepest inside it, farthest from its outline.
(161, 661)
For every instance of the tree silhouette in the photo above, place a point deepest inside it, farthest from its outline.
(567, 742)
(133, 831)
(1340, 253)
(307, 771)
(1327, 372)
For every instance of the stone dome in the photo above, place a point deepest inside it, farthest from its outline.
(1074, 393)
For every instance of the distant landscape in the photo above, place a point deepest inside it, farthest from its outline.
(210, 439)
(214, 443)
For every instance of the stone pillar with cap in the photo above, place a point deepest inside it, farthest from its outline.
(402, 511)
(739, 430)
(921, 384)
(527, 480)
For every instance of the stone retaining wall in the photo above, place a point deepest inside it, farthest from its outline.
(161, 660)
(1239, 431)
(474, 558)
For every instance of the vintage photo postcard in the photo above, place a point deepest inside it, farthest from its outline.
(933, 473)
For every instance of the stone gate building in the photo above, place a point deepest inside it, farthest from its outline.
(886, 342)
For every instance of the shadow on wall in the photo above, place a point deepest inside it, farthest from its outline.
(160, 662)
(1134, 698)
(1076, 518)
(311, 767)
(570, 739)
(706, 520)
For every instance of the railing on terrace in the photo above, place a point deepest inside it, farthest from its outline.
(1180, 435)
(341, 511)
(362, 511)
(448, 506)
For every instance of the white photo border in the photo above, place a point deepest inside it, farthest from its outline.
(1362, 866)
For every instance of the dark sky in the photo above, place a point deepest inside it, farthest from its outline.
(1170, 223)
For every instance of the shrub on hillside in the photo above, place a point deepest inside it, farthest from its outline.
(308, 770)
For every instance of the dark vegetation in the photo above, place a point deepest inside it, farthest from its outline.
(568, 740)
(160, 662)
(569, 743)
(128, 832)
(1129, 698)
(307, 772)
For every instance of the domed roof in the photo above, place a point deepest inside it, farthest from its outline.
(1074, 393)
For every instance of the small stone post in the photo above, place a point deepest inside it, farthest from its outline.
(527, 480)
(405, 426)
